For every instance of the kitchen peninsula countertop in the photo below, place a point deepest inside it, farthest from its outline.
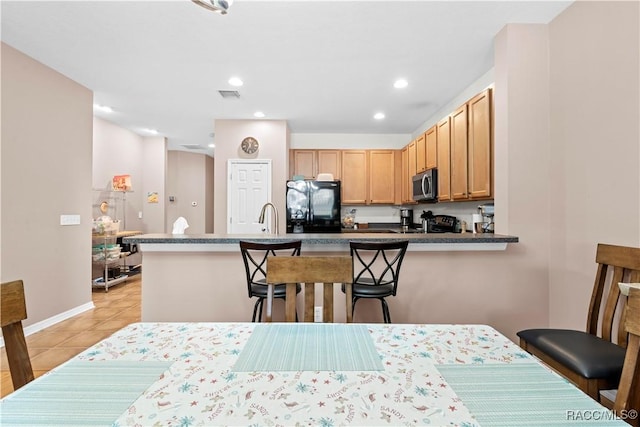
(323, 242)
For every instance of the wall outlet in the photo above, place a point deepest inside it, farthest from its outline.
(69, 219)
(317, 314)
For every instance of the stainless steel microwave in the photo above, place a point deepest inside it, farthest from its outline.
(425, 186)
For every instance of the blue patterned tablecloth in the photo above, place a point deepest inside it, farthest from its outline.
(439, 375)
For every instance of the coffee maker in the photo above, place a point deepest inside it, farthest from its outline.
(487, 211)
(406, 218)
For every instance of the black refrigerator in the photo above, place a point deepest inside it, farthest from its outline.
(313, 207)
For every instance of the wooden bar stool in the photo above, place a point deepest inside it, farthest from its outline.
(310, 270)
(254, 256)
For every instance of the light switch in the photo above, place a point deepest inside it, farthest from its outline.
(139, 214)
(69, 219)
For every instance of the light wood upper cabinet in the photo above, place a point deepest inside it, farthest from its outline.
(405, 186)
(471, 149)
(381, 176)
(412, 160)
(302, 162)
(444, 160)
(421, 153)
(431, 148)
(329, 161)
(310, 163)
(355, 177)
(368, 177)
(480, 146)
(459, 153)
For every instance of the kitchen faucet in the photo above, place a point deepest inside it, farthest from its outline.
(263, 211)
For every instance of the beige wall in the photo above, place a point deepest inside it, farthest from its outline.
(273, 136)
(117, 151)
(595, 140)
(46, 171)
(189, 182)
(154, 175)
(521, 142)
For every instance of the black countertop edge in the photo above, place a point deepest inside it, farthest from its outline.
(338, 238)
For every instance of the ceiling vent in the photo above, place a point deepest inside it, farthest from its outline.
(229, 93)
(193, 146)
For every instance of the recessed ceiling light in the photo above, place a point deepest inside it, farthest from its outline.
(151, 131)
(212, 145)
(378, 116)
(102, 108)
(235, 81)
(400, 84)
(258, 114)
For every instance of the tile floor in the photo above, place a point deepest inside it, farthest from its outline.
(60, 342)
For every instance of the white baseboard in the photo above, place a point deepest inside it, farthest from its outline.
(37, 327)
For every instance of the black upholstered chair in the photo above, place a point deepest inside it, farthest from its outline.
(376, 269)
(592, 359)
(255, 255)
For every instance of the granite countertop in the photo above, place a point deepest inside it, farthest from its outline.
(432, 238)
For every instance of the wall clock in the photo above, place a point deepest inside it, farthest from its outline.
(250, 145)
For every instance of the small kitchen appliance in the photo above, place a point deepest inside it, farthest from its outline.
(425, 186)
(487, 211)
(438, 223)
(406, 218)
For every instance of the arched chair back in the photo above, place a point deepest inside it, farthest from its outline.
(254, 256)
(376, 269)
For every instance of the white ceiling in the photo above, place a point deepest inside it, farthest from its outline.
(324, 66)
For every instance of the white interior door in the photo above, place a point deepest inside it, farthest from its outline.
(248, 189)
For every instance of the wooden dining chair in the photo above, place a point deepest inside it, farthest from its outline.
(592, 359)
(310, 270)
(13, 312)
(627, 397)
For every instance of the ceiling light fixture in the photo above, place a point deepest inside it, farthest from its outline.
(400, 84)
(378, 116)
(235, 81)
(218, 6)
(151, 131)
(258, 114)
(102, 108)
(212, 145)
